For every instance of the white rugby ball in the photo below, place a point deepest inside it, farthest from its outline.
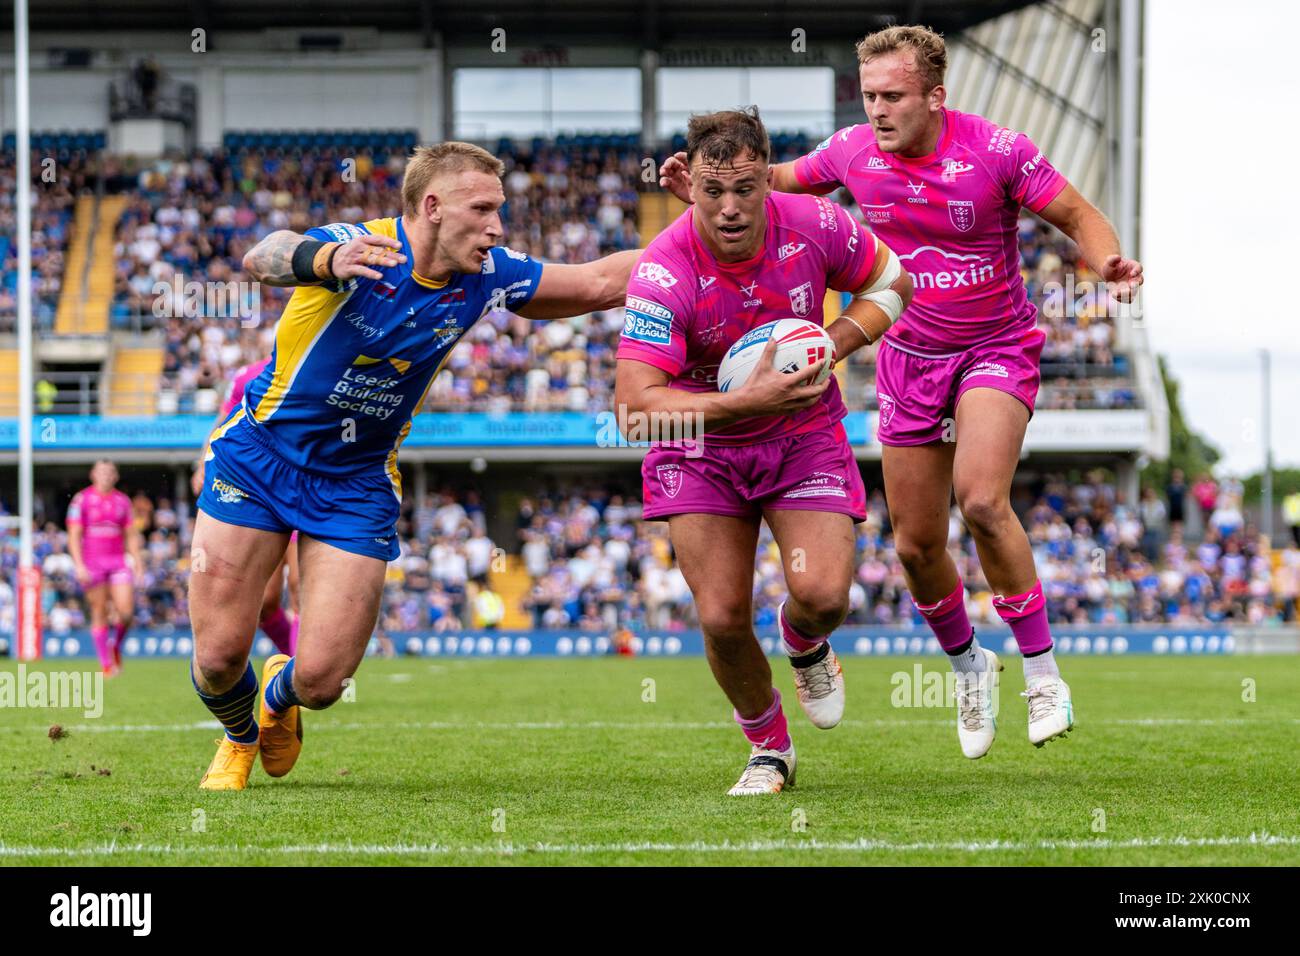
(799, 343)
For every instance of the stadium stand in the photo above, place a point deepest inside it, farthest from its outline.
(581, 556)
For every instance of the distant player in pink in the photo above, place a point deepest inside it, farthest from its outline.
(774, 449)
(100, 535)
(274, 622)
(945, 189)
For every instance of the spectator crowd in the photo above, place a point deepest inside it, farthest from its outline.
(592, 563)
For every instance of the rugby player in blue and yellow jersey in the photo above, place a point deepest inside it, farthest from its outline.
(313, 447)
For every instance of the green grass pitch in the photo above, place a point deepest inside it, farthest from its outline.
(452, 761)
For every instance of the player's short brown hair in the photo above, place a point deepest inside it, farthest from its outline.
(718, 138)
(426, 162)
(929, 52)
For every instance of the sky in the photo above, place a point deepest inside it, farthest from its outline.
(1220, 111)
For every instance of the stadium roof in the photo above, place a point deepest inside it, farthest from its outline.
(653, 22)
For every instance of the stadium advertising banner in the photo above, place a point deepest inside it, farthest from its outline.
(1048, 431)
(862, 641)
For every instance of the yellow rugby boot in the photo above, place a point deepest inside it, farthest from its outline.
(231, 766)
(281, 736)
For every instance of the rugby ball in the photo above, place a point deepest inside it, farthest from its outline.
(799, 343)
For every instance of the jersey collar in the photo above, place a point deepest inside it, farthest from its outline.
(410, 260)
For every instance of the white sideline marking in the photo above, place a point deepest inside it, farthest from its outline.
(860, 845)
(634, 724)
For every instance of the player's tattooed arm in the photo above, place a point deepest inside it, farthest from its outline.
(565, 290)
(1092, 232)
(272, 260)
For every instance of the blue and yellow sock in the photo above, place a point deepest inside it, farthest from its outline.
(234, 708)
(279, 690)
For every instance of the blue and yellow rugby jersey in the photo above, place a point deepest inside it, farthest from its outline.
(368, 354)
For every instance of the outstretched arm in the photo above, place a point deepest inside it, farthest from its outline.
(566, 290)
(286, 258)
(1095, 236)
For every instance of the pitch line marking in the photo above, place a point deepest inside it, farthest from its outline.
(860, 845)
(634, 725)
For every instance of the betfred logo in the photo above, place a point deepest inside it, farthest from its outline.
(790, 249)
(654, 272)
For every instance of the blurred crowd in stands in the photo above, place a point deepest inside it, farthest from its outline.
(583, 558)
(192, 219)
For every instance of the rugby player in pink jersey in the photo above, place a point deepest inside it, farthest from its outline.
(774, 449)
(100, 536)
(274, 622)
(945, 189)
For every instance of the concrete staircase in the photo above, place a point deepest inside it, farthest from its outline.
(134, 376)
(513, 584)
(90, 268)
(8, 383)
(655, 212)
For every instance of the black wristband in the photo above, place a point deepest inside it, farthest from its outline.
(303, 257)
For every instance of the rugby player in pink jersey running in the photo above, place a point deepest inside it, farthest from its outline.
(945, 189)
(274, 622)
(774, 449)
(101, 534)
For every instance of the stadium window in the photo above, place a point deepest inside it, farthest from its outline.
(493, 102)
(790, 99)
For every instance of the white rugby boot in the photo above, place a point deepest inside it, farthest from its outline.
(977, 695)
(768, 771)
(818, 681)
(1051, 711)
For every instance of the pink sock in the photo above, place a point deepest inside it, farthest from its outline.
(768, 730)
(276, 626)
(100, 636)
(947, 618)
(119, 635)
(800, 642)
(293, 636)
(1027, 616)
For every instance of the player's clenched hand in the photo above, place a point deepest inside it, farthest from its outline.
(1122, 277)
(363, 256)
(675, 176)
(770, 391)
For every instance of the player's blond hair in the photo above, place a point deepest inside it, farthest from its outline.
(929, 52)
(426, 162)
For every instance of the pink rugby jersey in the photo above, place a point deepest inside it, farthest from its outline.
(104, 519)
(237, 385)
(685, 309)
(952, 219)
